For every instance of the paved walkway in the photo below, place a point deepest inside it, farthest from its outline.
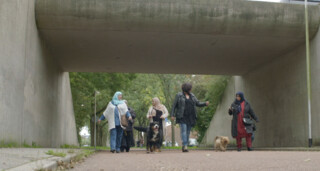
(25, 159)
(202, 160)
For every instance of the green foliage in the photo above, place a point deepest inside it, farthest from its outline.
(140, 94)
(68, 146)
(84, 86)
(139, 89)
(58, 154)
(147, 86)
(12, 144)
(71, 151)
(83, 154)
(33, 145)
(212, 91)
(98, 148)
(179, 148)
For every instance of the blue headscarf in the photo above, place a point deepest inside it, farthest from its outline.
(241, 96)
(115, 99)
(238, 102)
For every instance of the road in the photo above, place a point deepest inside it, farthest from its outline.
(201, 160)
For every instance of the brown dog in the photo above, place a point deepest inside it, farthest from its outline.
(221, 143)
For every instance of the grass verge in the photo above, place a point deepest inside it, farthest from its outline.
(58, 154)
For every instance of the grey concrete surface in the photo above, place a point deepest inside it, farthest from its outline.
(262, 42)
(202, 161)
(277, 92)
(35, 96)
(220, 124)
(217, 36)
(29, 159)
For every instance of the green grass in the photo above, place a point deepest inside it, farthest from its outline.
(71, 151)
(12, 144)
(84, 153)
(68, 146)
(9, 144)
(179, 148)
(98, 148)
(33, 145)
(58, 154)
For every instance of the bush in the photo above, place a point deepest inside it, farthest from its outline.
(211, 91)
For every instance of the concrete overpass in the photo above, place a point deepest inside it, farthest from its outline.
(217, 36)
(262, 43)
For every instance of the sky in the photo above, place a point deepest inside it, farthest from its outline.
(84, 131)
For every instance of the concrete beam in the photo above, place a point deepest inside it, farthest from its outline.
(171, 36)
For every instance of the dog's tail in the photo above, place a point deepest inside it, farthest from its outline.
(141, 129)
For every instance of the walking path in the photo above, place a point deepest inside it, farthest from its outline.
(203, 160)
(25, 159)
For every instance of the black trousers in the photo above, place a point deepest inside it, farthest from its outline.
(126, 141)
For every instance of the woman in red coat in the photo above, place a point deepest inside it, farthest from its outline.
(242, 124)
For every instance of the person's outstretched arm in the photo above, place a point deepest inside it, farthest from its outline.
(198, 103)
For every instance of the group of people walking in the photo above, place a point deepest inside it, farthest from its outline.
(183, 111)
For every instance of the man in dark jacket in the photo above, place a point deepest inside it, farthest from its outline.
(127, 138)
(184, 109)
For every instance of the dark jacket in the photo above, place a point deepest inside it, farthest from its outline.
(130, 123)
(248, 113)
(180, 102)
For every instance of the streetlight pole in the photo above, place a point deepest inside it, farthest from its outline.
(308, 70)
(95, 123)
(95, 119)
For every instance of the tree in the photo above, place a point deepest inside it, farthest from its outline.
(83, 86)
(170, 85)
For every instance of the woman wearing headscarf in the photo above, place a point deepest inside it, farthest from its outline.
(127, 138)
(115, 109)
(158, 113)
(184, 109)
(242, 125)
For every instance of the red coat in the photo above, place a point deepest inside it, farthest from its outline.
(240, 126)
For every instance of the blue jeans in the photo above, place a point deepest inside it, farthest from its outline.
(115, 138)
(252, 137)
(185, 133)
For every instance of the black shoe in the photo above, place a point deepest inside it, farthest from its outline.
(239, 149)
(112, 151)
(118, 151)
(184, 149)
(250, 149)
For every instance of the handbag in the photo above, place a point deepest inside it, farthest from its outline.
(248, 121)
(123, 119)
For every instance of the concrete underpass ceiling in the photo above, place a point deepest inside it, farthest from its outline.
(83, 41)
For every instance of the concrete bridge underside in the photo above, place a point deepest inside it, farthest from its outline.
(262, 43)
(217, 36)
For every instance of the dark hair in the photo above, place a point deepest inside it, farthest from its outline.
(186, 87)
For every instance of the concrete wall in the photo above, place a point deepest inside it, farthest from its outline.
(278, 93)
(221, 121)
(35, 96)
